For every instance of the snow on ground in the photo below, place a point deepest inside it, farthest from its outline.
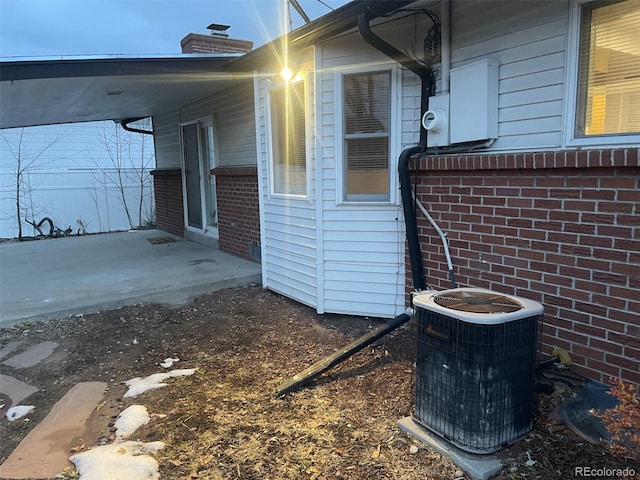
(130, 420)
(124, 459)
(130, 460)
(140, 385)
(18, 411)
(168, 362)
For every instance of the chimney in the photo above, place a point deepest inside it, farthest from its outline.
(217, 42)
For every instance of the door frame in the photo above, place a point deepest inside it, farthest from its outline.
(207, 160)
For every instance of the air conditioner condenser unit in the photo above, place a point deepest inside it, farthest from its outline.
(475, 369)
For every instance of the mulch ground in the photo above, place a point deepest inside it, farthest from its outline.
(224, 422)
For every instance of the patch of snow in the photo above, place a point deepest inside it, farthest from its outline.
(130, 420)
(168, 362)
(140, 385)
(19, 411)
(130, 460)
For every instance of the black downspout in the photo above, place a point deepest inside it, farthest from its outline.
(411, 225)
(427, 79)
(125, 124)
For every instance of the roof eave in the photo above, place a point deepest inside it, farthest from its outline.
(319, 30)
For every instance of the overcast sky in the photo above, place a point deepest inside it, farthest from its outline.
(31, 28)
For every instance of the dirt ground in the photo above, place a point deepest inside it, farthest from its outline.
(224, 421)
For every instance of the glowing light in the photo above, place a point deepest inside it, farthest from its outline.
(286, 73)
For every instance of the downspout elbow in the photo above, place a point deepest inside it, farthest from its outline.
(125, 125)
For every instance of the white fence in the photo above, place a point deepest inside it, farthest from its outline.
(83, 199)
(77, 175)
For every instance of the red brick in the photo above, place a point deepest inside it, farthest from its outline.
(604, 242)
(168, 201)
(606, 277)
(623, 316)
(618, 182)
(605, 346)
(589, 330)
(561, 259)
(559, 322)
(593, 264)
(623, 339)
(622, 362)
(582, 228)
(630, 376)
(602, 367)
(589, 286)
(587, 352)
(631, 353)
(627, 195)
(598, 194)
(615, 207)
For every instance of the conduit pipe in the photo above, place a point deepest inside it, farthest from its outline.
(443, 237)
(445, 45)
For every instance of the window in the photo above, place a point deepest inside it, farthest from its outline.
(609, 69)
(367, 116)
(288, 133)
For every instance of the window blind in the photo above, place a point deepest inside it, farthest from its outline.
(609, 69)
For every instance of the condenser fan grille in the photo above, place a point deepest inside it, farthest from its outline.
(477, 302)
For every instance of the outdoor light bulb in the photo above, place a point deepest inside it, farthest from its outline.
(286, 73)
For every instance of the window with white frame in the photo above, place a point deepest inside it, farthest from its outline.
(366, 124)
(288, 139)
(608, 100)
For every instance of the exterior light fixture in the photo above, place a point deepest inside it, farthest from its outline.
(286, 73)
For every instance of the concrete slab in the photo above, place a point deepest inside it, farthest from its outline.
(478, 467)
(52, 278)
(15, 389)
(44, 452)
(8, 348)
(32, 356)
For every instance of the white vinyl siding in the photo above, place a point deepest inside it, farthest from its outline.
(359, 250)
(288, 225)
(166, 139)
(362, 244)
(234, 124)
(530, 48)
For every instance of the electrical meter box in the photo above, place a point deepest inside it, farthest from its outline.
(473, 103)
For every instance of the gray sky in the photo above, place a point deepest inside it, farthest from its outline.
(31, 28)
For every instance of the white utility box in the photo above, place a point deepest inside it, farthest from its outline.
(436, 121)
(473, 106)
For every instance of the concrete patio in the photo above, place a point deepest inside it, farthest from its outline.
(52, 278)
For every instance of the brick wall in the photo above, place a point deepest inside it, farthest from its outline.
(561, 228)
(167, 186)
(238, 209)
(199, 43)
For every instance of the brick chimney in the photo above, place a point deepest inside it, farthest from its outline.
(217, 42)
